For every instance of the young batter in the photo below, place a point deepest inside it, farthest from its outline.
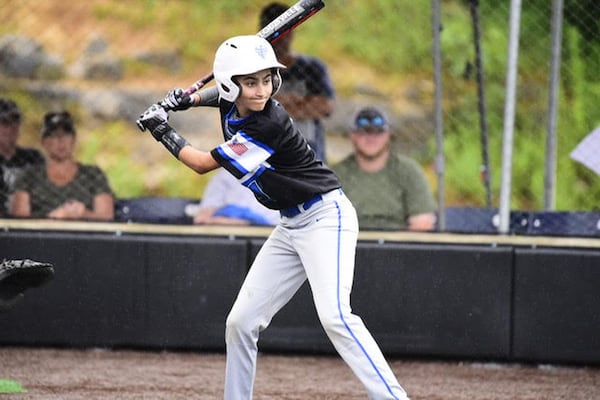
(316, 236)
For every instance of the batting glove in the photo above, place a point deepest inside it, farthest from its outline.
(177, 100)
(155, 120)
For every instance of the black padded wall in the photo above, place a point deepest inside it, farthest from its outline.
(419, 299)
(435, 299)
(191, 286)
(415, 299)
(94, 298)
(125, 290)
(557, 305)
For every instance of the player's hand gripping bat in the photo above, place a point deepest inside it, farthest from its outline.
(279, 27)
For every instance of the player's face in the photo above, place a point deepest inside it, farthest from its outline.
(371, 143)
(256, 89)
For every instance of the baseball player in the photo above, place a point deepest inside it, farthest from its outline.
(317, 233)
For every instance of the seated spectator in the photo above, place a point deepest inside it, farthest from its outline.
(63, 188)
(13, 158)
(227, 202)
(389, 191)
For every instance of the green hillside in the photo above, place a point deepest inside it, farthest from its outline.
(382, 47)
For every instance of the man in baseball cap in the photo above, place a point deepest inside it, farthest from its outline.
(389, 191)
(14, 159)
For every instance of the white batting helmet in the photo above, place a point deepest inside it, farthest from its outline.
(242, 55)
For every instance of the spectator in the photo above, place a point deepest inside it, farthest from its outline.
(63, 188)
(307, 91)
(13, 158)
(389, 191)
(227, 202)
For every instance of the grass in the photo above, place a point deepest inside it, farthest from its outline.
(10, 386)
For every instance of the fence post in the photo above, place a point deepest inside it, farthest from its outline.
(551, 149)
(439, 133)
(509, 115)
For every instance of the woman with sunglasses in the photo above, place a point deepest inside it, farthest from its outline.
(389, 191)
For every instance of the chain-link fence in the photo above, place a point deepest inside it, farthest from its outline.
(439, 70)
(516, 137)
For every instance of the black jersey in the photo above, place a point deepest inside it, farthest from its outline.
(269, 155)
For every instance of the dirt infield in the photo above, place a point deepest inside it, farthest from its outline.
(110, 374)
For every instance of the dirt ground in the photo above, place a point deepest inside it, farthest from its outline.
(125, 374)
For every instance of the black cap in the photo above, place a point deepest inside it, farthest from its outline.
(9, 112)
(54, 121)
(370, 117)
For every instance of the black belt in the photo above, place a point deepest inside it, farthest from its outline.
(297, 209)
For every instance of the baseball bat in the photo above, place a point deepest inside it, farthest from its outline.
(276, 29)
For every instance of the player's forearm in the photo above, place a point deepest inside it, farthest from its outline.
(206, 97)
(198, 160)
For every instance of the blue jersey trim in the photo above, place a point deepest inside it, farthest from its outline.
(232, 161)
(256, 142)
(252, 184)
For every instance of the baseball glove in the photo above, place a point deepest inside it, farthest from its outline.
(18, 275)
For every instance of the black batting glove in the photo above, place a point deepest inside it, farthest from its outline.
(154, 119)
(177, 100)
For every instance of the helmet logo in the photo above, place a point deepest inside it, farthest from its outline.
(262, 51)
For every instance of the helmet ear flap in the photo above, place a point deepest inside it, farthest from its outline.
(276, 79)
(225, 88)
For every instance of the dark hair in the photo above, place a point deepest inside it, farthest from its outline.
(54, 121)
(9, 112)
(270, 12)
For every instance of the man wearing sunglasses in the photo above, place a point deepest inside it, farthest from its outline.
(389, 191)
